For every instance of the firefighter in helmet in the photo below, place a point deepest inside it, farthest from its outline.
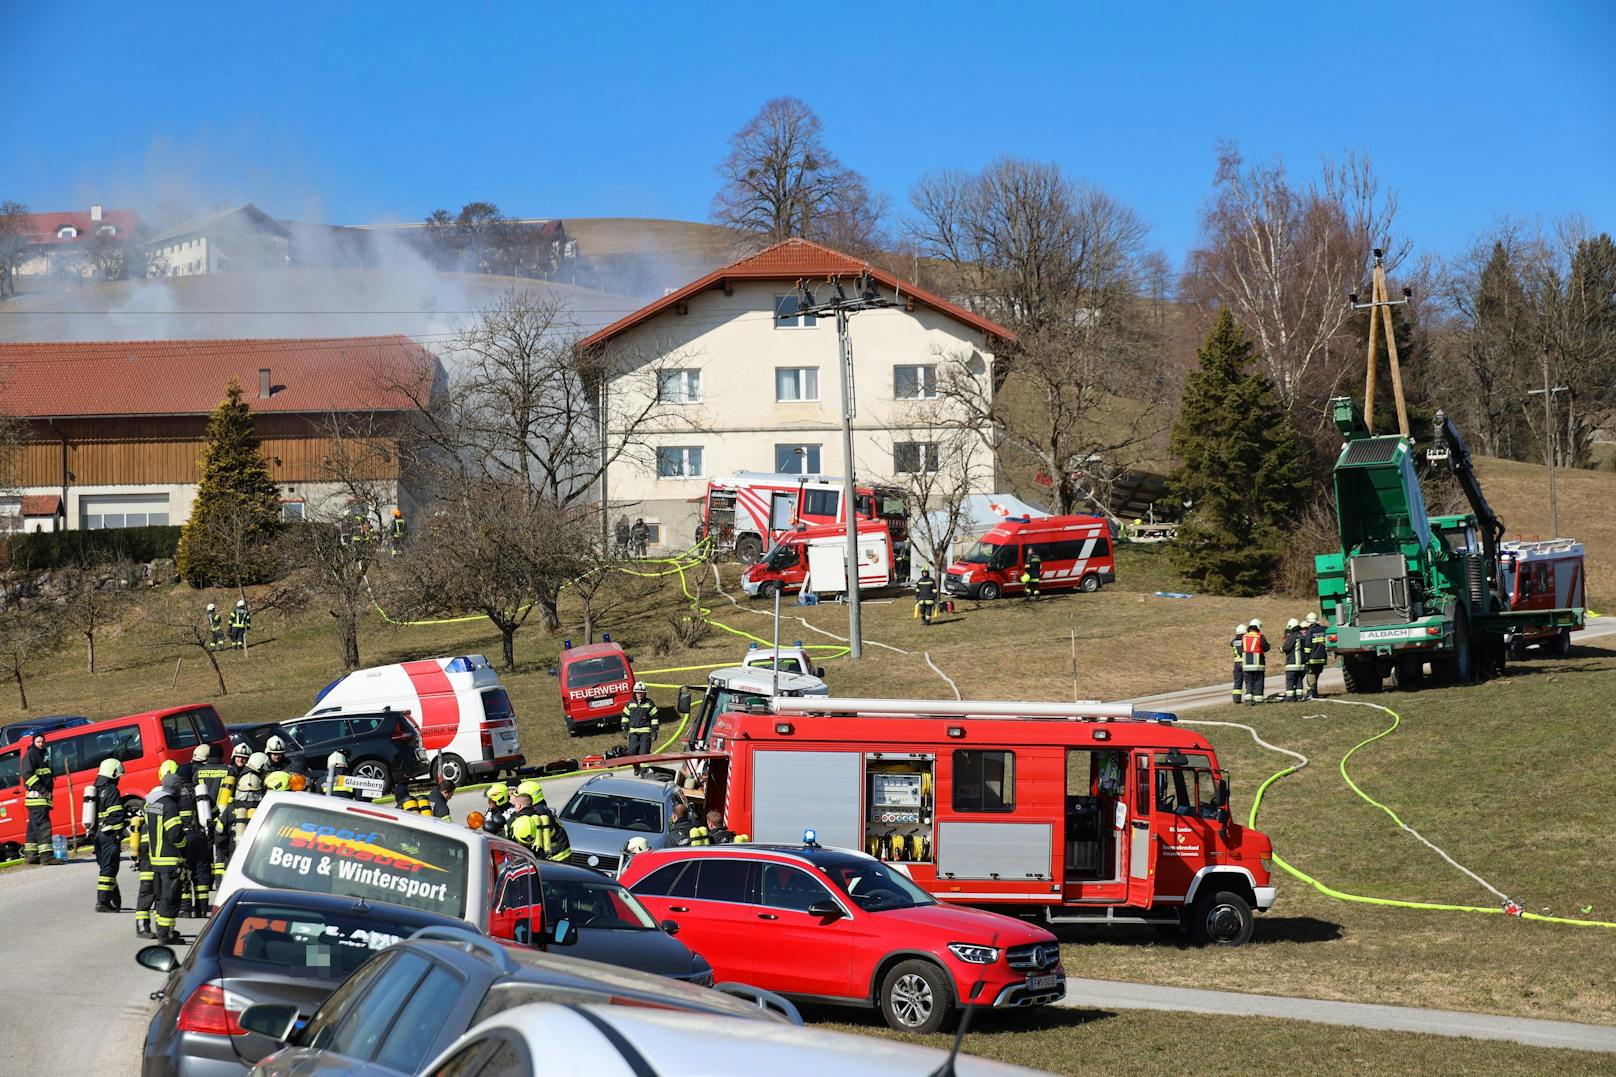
(640, 720)
(222, 837)
(248, 796)
(1032, 573)
(336, 777)
(39, 785)
(215, 628)
(165, 836)
(104, 824)
(186, 869)
(926, 596)
(214, 783)
(275, 753)
(1239, 663)
(396, 546)
(1317, 656)
(1253, 654)
(240, 622)
(1294, 646)
(496, 818)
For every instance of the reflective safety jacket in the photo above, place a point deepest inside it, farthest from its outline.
(165, 829)
(240, 618)
(37, 778)
(552, 842)
(213, 784)
(1294, 644)
(926, 590)
(640, 716)
(1253, 646)
(496, 820)
(103, 808)
(1234, 648)
(1316, 653)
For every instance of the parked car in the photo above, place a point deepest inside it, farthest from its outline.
(793, 659)
(414, 1000)
(621, 1041)
(50, 723)
(596, 682)
(384, 745)
(609, 809)
(832, 925)
(278, 946)
(142, 742)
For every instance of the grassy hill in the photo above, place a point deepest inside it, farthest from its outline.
(1519, 492)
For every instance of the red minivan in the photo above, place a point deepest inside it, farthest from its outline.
(841, 927)
(140, 741)
(1073, 551)
(596, 681)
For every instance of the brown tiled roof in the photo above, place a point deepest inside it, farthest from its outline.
(41, 504)
(188, 377)
(790, 260)
(41, 228)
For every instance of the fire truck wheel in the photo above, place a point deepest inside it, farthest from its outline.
(916, 996)
(767, 588)
(1220, 919)
(1360, 675)
(1091, 583)
(748, 548)
(1562, 643)
(988, 591)
(451, 767)
(1410, 672)
(10, 850)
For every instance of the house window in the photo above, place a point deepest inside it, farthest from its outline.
(796, 383)
(914, 457)
(678, 462)
(67, 231)
(106, 230)
(97, 511)
(917, 382)
(786, 314)
(653, 532)
(292, 510)
(796, 459)
(679, 386)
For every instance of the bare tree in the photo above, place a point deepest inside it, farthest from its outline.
(180, 622)
(13, 244)
(1083, 386)
(1282, 258)
(1574, 332)
(781, 180)
(936, 481)
(95, 593)
(29, 630)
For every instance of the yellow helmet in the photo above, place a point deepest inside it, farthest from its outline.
(499, 793)
(279, 781)
(525, 829)
(167, 767)
(531, 788)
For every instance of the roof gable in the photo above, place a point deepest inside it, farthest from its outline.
(792, 260)
(40, 229)
(245, 218)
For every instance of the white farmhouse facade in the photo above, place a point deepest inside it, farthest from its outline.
(745, 390)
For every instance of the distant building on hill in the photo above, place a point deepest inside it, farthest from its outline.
(69, 244)
(242, 238)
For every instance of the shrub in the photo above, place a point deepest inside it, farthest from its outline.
(43, 550)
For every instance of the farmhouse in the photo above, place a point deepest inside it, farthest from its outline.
(242, 238)
(756, 385)
(113, 432)
(66, 244)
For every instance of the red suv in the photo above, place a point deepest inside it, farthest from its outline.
(830, 925)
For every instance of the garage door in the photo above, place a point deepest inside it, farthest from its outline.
(97, 511)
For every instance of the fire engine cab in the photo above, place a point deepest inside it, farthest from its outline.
(1073, 551)
(745, 512)
(1543, 575)
(1075, 813)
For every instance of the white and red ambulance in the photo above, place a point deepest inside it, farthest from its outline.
(747, 511)
(1543, 575)
(1073, 551)
(817, 555)
(467, 723)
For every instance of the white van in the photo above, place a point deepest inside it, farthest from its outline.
(467, 723)
(323, 845)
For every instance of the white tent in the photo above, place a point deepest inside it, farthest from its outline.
(981, 513)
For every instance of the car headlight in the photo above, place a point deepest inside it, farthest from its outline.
(973, 954)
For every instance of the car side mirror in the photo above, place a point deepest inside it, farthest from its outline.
(156, 958)
(819, 671)
(682, 704)
(562, 933)
(825, 910)
(1223, 792)
(671, 927)
(273, 1019)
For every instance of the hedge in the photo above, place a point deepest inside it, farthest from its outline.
(40, 550)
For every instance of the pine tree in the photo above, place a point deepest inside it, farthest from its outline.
(236, 513)
(1243, 469)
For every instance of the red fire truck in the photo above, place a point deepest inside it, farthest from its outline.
(596, 682)
(1073, 551)
(1543, 575)
(745, 512)
(1076, 813)
(818, 554)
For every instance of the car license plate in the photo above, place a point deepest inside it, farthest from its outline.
(1042, 983)
(603, 701)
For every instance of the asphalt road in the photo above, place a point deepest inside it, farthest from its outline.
(76, 1002)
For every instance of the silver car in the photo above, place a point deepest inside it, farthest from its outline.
(608, 810)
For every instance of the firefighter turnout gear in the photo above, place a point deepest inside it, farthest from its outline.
(1239, 664)
(1032, 574)
(926, 596)
(417, 799)
(640, 720)
(1253, 651)
(215, 628)
(396, 532)
(240, 622)
(1294, 646)
(214, 784)
(146, 893)
(1317, 656)
(105, 823)
(39, 785)
(165, 838)
(497, 817)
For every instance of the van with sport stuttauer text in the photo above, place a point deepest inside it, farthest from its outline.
(1073, 551)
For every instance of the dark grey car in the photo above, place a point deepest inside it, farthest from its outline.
(608, 810)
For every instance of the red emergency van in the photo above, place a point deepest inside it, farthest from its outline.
(1073, 551)
(1543, 575)
(596, 682)
(745, 512)
(1079, 813)
(792, 558)
(142, 742)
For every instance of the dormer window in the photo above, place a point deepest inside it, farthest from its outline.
(67, 231)
(107, 230)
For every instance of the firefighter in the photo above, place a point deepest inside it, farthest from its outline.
(1294, 645)
(249, 794)
(1317, 656)
(926, 596)
(1031, 575)
(525, 830)
(336, 777)
(240, 621)
(1239, 663)
(277, 781)
(222, 838)
(550, 837)
(215, 628)
(104, 824)
(679, 827)
(146, 893)
(214, 783)
(195, 872)
(396, 546)
(417, 799)
(639, 536)
(496, 819)
(1253, 649)
(640, 719)
(275, 755)
(718, 833)
(165, 838)
(438, 798)
(40, 784)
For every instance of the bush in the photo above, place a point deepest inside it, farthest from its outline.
(689, 628)
(42, 550)
(1315, 533)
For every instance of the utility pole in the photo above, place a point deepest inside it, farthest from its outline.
(1380, 308)
(1547, 393)
(844, 307)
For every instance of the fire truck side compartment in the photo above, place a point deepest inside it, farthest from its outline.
(1009, 851)
(807, 789)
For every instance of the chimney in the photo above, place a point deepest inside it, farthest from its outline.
(263, 383)
(95, 212)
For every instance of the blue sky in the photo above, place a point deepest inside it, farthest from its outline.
(357, 112)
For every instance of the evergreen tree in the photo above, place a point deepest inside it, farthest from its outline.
(1243, 469)
(227, 540)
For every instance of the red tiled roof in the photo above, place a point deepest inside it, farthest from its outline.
(41, 504)
(792, 259)
(188, 377)
(41, 228)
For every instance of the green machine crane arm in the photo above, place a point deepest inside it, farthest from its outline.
(1450, 448)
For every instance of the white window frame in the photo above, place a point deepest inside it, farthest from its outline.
(923, 373)
(800, 398)
(791, 448)
(928, 458)
(67, 231)
(689, 377)
(686, 470)
(801, 321)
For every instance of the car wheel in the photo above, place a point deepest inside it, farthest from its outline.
(1091, 583)
(1221, 919)
(916, 996)
(988, 591)
(768, 588)
(374, 769)
(451, 768)
(10, 850)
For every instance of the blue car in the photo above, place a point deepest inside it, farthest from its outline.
(49, 723)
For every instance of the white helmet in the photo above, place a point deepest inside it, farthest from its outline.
(1240, 630)
(111, 768)
(1256, 622)
(211, 607)
(241, 603)
(201, 752)
(1312, 618)
(257, 762)
(637, 844)
(275, 744)
(241, 749)
(1293, 623)
(639, 686)
(336, 761)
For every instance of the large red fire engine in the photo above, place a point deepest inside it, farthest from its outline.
(748, 510)
(1543, 575)
(1077, 813)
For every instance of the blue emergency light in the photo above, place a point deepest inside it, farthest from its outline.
(810, 838)
(566, 645)
(752, 646)
(605, 637)
(1156, 716)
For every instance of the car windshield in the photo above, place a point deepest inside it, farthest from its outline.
(588, 672)
(871, 885)
(981, 553)
(301, 942)
(594, 903)
(619, 813)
